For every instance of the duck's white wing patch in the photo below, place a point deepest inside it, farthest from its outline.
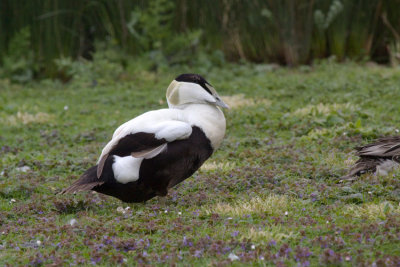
(126, 169)
(172, 130)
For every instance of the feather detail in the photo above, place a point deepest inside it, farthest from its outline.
(86, 182)
(100, 166)
(381, 156)
(393, 149)
(149, 153)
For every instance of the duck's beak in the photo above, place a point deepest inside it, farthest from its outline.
(221, 103)
(218, 100)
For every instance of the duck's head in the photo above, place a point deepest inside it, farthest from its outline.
(192, 89)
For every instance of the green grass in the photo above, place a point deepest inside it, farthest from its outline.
(269, 195)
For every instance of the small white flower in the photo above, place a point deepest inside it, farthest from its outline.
(23, 169)
(397, 130)
(179, 213)
(165, 211)
(369, 192)
(327, 221)
(3, 233)
(233, 257)
(262, 258)
(2, 173)
(124, 260)
(121, 210)
(229, 218)
(72, 222)
(127, 208)
(38, 242)
(253, 247)
(65, 107)
(347, 258)
(286, 213)
(12, 201)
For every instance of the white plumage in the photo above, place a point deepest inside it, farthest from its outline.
(126, 169)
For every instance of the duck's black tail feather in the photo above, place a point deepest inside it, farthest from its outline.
(86, 182)
(130, 192)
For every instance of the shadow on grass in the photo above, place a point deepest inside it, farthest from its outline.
(68, 206)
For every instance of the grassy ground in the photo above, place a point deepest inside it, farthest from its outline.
(270, 195)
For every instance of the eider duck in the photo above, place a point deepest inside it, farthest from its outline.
(380, 157)
(159, 149)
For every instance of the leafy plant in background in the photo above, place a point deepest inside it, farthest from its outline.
(68, 68)
(18, 63)
(106, 65)
(160, 33)
(393, 47)
(157, 46)
(152, 30)
(322, 23)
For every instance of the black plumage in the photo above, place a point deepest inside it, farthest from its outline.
(194, 78)
(172, 166)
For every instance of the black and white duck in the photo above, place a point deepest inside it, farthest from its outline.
(161, 148)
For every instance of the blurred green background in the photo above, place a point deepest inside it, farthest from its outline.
(42, 38)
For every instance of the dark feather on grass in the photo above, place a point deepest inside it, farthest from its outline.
(374, 155)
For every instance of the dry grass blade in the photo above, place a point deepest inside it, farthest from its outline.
(271, 205)
(372, 211)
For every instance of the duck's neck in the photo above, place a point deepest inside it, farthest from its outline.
(209, 118)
